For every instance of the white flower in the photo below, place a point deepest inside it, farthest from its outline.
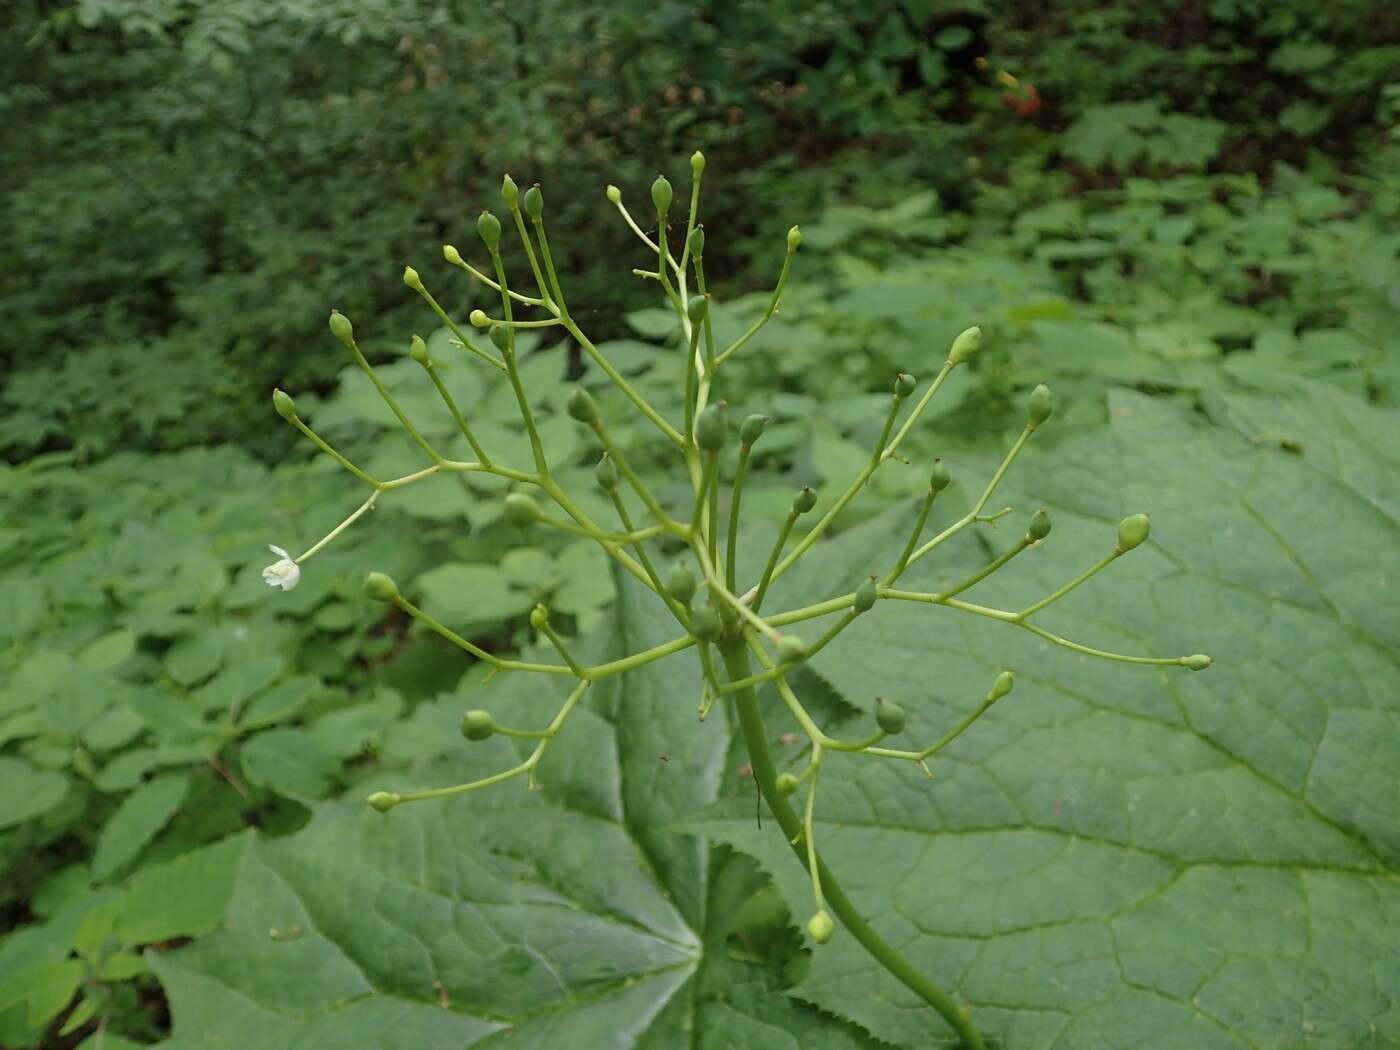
(285, 573)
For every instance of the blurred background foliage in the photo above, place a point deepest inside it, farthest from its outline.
(1182, 197)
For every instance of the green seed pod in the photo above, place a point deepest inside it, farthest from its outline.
(1041, 405)
(791, 649)
(341, 328)
(697, 308)
(478, 725)
(500, 337)
(521, 510)
(751, 429)
(534, 202)
(965, 345)
(939, 478)
(614, 194)
(866, 594)
(606, 473)
(510, 192)
(1039, 527)
(452, 255)
(805, 500)
(712, 428)
(704, 623)
(418, 350)
(794, 239)
(478, 319)
(1001, 686)
(1133, 531)
(889, 717)
(786, 783)
(697, 242)
(820, 927)
(383, 801)
(582, 406)
(697, 163)
(380, 587)
(680, 581)
(661, 194)
(539, 616)
(282, 401)
(411, 278)
(1197, 661)
(904, 385)
(488, 228)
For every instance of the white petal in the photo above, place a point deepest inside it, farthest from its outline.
(285, 574)
(279, 551)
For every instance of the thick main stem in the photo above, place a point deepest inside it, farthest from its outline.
(737, 666)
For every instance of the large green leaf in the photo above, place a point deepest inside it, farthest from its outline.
(562, 917)
(1120, 857)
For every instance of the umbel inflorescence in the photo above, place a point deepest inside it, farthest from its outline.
(725, 623)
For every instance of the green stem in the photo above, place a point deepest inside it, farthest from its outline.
(731, 548)
(736, 663)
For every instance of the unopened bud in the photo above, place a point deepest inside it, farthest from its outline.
(1039, 527)
(751, 429)
(479, 319)
(341, 328)
(539, 616)
(478, 725)
(904, 385)
(965, 345)
(786, 783)
(282, 401)
(510, 192)
(1001, 686)
(383, 801)
(418, 350)
(680, 581)
(500, 337)
(521, 510)
(939, 478)
(791, 649)
(866, 594)
(606, 473)
(452, 255)
(488, 228)
(661, 194)
(794, 239)
(805, 500)
(697, 163)
(411, 278)
(1133, 531)
(889, 717)
(712, 428)
(581, 406)
(1197, 661)
(820, 927)
(697, 308)
(697, 242)
(380, 587)
(534, 202)
(1041, 405)
(614, 195)
(704, 623)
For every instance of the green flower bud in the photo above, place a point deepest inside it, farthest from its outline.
(1197, 661)
(680, 581)
(341, 327)
(712, 428)
(452, 255)
(752, 429)
(1041, 405)
(704, 623)
(904, 385)
(478, 725)
(282, 401)
(786, 783)
(411, 278)
(939, 478)
(380, 587)
(521, 509)
(697, 242)
(582, 406)
(697, 308)
(479, 319)
(820, 927)
(534, 202)
(866, 594)
(965, 345)
(383, 801)
(614, 194)
(805, 500)
(697, 163)
(539, 616)
(1001, 686)
(791, 649)
(1132, 531)
(510, 192)
(889, 717)
(661, 194)
(794, 239)
(1039, 527)
(418, 350)
(500, 337)
(488, 228)
(606, 473)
